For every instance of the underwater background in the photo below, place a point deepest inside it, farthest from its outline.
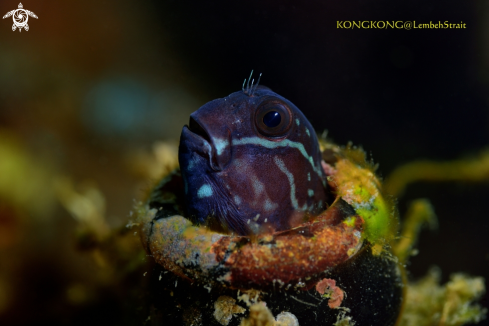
(93, 97)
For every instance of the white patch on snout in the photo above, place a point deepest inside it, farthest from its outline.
(220, 145)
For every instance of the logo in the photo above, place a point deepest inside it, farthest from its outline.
(20, 17)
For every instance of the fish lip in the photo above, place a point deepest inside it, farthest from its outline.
(196, 128)
(201, 142)
(195, 142)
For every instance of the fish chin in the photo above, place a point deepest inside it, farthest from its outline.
(209, 204)
(229, 218)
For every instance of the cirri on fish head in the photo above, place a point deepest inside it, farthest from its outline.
(251, 163)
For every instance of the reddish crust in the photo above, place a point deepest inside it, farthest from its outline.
(289, 257)
(297, 257)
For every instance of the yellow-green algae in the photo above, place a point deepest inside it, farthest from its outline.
(360, 188)
(355, 182)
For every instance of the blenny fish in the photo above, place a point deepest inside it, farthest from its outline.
(251, 163)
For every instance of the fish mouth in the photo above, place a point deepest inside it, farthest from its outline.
(198, 139)
(197, 129)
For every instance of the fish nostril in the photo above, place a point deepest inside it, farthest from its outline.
(194, 127)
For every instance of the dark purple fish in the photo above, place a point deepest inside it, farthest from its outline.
(251, 163)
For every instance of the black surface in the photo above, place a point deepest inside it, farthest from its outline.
(372, 284)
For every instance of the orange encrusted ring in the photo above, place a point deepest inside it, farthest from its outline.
(297, 257)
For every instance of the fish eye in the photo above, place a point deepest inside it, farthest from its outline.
(273, 119)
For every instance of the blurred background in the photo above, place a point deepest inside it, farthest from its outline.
(93, 98)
